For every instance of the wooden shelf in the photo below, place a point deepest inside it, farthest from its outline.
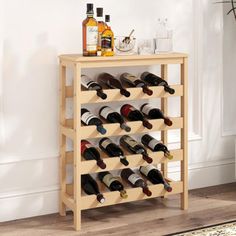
(113, 163)
(113, 95)
(134, 194)
(115, 130)
(71, 195)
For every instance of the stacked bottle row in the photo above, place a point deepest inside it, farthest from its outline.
(111, 149)
(127, 111)
(149, 172)
(126, 79)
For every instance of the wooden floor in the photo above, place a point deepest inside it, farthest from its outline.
(152, 217)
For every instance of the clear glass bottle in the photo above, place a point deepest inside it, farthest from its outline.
(107, 39)
(90, 33)
(101, 28)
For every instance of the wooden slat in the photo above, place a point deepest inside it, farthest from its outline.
(62, 163)
(68, 201)
(164, 108)
(184, 134)
(114, 94)
(68, 132)
(136, 127)
(134, 194)
(90, 166)
(80, 58)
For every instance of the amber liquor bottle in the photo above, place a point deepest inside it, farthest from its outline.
(107, 39)
(101, 28)
(90, 33)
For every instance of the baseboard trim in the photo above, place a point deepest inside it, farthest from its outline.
(41, 201)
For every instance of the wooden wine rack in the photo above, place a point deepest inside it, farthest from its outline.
(71, 195)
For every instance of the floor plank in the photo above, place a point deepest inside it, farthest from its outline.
(152, 217)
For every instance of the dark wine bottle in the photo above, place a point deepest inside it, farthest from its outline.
(89, 84)
(89, 119)
(112, 150)
(89, 152)
(112, 82)
(113, 117)
(133, 114)
(135, 180)
(155, 145)
(155, 176)
(112, 183)
(155, 80)
(134, 147)
(90, 186)
(155, 113)
(133, 81)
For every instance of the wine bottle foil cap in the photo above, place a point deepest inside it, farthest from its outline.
(89, 8)
(99, 12)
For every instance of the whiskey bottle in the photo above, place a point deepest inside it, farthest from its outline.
(101, 28)
(107, 39)
(90, 33)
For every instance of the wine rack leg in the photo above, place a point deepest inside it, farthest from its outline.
(62, 207)
(184, 135)
(164, 108)
(77, 139)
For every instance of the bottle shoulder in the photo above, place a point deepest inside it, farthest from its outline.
(90, 21)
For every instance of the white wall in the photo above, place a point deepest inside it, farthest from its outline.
(35, 32)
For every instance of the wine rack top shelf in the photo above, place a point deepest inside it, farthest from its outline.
(120, 60)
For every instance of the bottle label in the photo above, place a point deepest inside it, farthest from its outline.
(108, 179)
(92, 38)
(146, 109)
(105, 143)
(133, 178)
(131, 142)
(87, 116)
(153, 143)
(105, 112)
(85, 145)
(131, 78)
(86, 81)
(106, 42)
(145, 169)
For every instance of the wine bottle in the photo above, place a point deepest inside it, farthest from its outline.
(89, 152)
(155, 80)
(112, 183)
(155, 145)
(155, 176)
(89, 119)
(135, 180)
(112, 82)
(92, 85)
(134, 114)
(133, 81)
(134, 147)
(155, 113)
(113, 117)
(112, 150)
(90, 186)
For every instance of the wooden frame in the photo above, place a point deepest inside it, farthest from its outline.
(71, 195)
